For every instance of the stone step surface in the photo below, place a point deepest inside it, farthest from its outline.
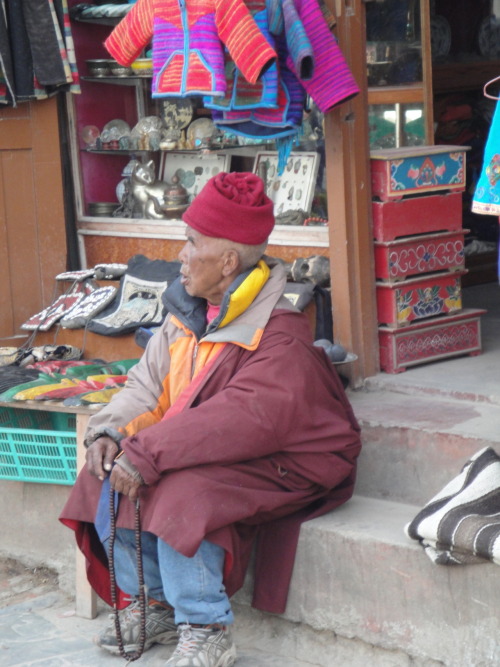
(416, 442)
(38, 627)
(361, 585)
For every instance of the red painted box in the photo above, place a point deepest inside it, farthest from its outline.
(399, 172)
(398, 304)
(417, 215)
(434, 339)
(417, 255)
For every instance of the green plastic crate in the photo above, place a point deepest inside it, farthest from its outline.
(37, 446)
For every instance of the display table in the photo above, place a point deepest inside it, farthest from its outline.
(85, 597)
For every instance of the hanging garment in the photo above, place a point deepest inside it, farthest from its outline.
(309, 61)
(332, 82)
(37, 53)
(486, 199)
(240, 93)
(188, 57)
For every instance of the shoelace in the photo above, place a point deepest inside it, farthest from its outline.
(189, 639)
(133, 609)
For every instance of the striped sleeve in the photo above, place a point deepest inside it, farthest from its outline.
(332, 82)
(249, 49)
(132, 34)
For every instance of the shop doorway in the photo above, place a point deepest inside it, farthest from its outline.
(32, 225)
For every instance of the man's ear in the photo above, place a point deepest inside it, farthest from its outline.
(231, 262)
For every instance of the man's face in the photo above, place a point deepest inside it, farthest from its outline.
(202, 260)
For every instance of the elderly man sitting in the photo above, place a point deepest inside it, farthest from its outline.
(231, 430)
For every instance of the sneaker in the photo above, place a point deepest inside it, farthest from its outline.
(160, 628)
(206, 646)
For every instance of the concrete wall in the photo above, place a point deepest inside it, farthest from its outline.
(30, 530)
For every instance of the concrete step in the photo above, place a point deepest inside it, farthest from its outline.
(415, 442)
(363, 593)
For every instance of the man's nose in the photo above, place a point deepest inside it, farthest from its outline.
(182, 254)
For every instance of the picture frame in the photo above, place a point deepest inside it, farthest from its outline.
(192, 168)
(294, 189)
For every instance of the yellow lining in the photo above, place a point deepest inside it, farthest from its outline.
(243, 296)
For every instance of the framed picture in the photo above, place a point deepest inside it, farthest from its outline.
(192, 168)
(294, 189)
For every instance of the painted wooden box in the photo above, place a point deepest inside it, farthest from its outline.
(417, 255)
(413, 299)
(399, 172)
(417, 215)
(434, 339)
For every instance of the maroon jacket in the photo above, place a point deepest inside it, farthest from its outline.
(265, 440)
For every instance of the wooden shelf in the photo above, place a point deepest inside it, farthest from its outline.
(457, 76)
(409, 94)
(111, 20)
(129, 80)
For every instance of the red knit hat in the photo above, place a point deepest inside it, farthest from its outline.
(232, 206)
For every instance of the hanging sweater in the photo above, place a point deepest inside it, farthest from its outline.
(188, 57)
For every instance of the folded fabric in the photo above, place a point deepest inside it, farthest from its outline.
(101, 396)
(108, 380)
(62, 366)
(65, 391)
(13, 378)
(94, 397)
(461, 524)
(109, 271)
(49, 353)
(143, 335)
(76, 276)
(112, 368)
(8, 355)
(300, 294)
(138, 301)
(78, 387)
(32, 392)
(43, 320)
(88, 307)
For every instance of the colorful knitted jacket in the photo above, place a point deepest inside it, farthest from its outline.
(309, 61)
(186, 36)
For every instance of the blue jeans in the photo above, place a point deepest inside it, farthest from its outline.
(193, 586)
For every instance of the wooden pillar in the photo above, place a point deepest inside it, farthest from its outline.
(348, 187)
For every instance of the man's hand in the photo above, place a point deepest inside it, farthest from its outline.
(100, 456)
(125, 483)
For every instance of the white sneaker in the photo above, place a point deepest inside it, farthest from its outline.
(207, 646)
(160, 628)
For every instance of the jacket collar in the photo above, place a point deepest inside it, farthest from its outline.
(245, 310)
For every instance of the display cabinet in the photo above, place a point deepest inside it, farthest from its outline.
(112, 96)
(398, 62)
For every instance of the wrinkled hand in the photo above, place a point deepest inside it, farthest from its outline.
(124, 483)
(100, 456)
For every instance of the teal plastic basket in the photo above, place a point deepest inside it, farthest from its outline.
(37, 446)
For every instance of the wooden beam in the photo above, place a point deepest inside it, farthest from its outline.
(348, 186)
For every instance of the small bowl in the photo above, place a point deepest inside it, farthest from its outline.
(142, 67)
(99, 67)
(120, 70)
(102, 208)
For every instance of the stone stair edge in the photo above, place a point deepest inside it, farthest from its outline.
(398, 384)
(432, 413)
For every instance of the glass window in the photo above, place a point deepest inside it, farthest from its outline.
(393, 42)
(395, 125)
